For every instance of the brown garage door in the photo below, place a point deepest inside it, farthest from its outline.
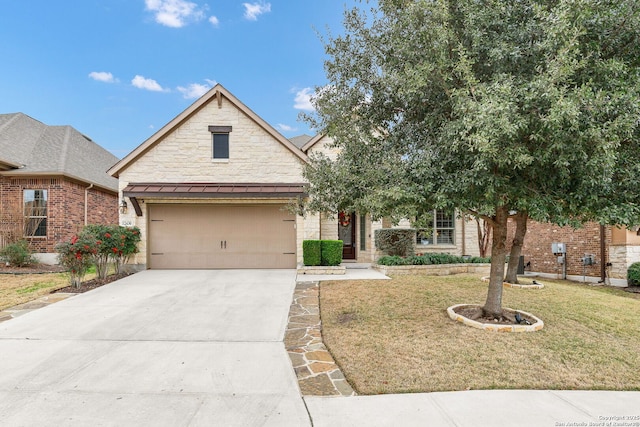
(213, 236)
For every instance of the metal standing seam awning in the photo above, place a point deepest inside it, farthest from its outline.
(211, 190)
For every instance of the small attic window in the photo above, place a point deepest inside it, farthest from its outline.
(220, 144)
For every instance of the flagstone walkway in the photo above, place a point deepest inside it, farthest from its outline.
(317, 372)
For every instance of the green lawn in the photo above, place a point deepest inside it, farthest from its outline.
(21, 288)
(17, 289)
(394, 336)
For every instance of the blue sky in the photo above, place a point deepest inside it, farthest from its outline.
(118, 70)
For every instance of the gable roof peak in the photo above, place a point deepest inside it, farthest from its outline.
(216, 94)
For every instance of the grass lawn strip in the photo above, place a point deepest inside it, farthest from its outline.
(395, 337)
(18, 289)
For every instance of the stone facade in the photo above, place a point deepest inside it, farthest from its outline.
(621, 257)
(182, 153)
(185, 154)
(434, 270)
(65, 206)
(466, 239)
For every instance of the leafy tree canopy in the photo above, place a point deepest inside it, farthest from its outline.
(484, 106)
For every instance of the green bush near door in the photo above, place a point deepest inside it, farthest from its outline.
(311, 252)
(633, 274)
(331, 252)
(322, 252)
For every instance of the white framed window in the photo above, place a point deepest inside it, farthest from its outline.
(441, 232)
(35, 213)
(220, 142)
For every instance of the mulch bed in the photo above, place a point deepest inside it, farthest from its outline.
(633, 289)
(91, 284)
(32, 269)
(473, 313)
(46, 268)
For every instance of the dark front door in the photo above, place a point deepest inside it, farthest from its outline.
(347, 233)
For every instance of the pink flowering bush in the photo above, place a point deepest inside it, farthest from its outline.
(77, 256)
(114, 243)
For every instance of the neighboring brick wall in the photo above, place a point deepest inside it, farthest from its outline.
(581, 241)
(65, 207)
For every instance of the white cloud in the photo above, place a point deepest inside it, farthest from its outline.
(196, 90)
(253, 10)
(214, 21)
(147, 84)
(103, 76)
(303, 100)
(285, 128)
(175, 13)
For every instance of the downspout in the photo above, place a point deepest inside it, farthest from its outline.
(86, 203)
(464, 240)
(603, 260)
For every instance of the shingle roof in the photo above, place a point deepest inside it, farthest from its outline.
(58, 150)
(300, 140)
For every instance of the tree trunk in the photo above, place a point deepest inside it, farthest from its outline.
(516, 247)
(493, 305)
(484, 234)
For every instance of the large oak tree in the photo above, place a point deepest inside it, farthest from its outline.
(493, 108)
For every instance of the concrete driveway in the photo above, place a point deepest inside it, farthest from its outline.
(161, 348)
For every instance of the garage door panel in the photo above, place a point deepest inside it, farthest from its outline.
(213, 236)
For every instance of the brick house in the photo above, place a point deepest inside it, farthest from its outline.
(53, 181)
(211, 189)
(608, 250)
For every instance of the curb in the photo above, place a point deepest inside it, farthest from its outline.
(536, 326)
(516, 285)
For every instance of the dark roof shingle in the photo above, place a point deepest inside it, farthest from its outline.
(42, 149)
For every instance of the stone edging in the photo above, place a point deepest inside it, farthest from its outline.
(317, 372)
(536, 326)
(322, 269)
(517, 285)
(433, 269)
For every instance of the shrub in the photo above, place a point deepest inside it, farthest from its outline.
(479, 260)
(392, 260)
(77, 256)
(331, 252)
(395, 241)
(17, 254)
(105, 237)
(129, 237)
(311, 252)
(113, 243)
(429, 259)
(633, 274)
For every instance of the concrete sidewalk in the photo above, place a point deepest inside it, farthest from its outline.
(353, 271)
(491, 408)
